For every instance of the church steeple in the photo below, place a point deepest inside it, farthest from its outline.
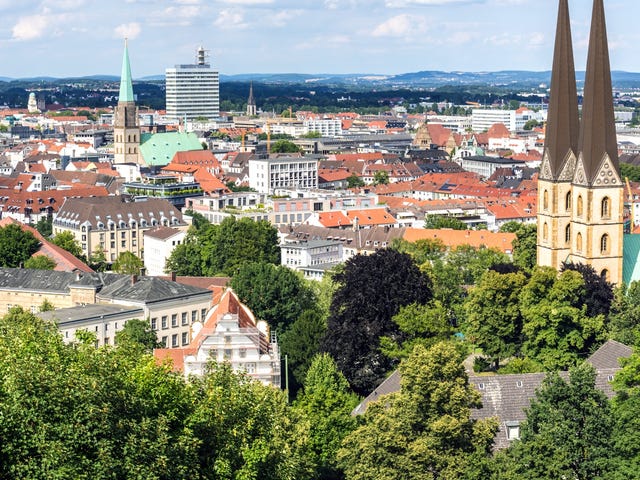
(251, 102)
(597, 133)
(563, 126)
(126, 85)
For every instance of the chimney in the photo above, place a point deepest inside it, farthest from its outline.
(134, 279)
(143, 271)
(173, 276)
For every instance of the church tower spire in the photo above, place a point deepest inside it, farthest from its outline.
(251, 102)
(126, 126)
(559, 156)
(597, 187)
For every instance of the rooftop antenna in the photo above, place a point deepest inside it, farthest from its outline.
(201, 56)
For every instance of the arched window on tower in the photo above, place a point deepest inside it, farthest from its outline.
(579, 242)
(579, 206)
(545, 231)
(605, 208)
(567, 201)
(567, 234)
(604, 243)
(545, 200)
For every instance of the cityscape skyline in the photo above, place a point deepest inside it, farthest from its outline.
(78, 37)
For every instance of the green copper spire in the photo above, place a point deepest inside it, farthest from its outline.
(126, 87)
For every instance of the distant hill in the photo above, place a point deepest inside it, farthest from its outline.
(422, 79)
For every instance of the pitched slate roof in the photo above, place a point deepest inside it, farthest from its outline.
(147, 290)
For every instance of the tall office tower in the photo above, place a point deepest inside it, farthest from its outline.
(193, 91)
(126, 126)
(580, 191)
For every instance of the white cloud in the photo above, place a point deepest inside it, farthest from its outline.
(63, 4)
(536, 39)
(400, 26)
(284, 17)
(406, 3)
(31, 27)
(248, 2)
(128, 30)
(230, 19)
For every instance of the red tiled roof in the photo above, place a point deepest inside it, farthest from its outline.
(454, 238)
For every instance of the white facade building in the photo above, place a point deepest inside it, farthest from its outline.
(268, 174)
(311, 257)
(193, 91)
(327, 127)
(482, 119)
(158, 245)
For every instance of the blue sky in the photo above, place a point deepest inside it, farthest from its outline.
(85, 37)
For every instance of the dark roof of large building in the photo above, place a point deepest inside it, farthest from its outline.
(110, 286)
(506, 397)
(99, 211)
(563, 126)
(597, 132)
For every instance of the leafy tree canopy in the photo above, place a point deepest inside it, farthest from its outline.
(138, 334)
(371, 290)
(444, 221)
(68, 242)
(284, 146)
(16, 246)
(127, 263)
(40, 262)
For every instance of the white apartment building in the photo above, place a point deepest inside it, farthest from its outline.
(158, 245)
(327, 127)
(268, 174)
(193, 91)
(482, 119)
(311, 257)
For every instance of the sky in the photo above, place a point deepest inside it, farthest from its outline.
(63, 38)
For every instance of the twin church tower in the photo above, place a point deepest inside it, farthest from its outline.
(580, 191)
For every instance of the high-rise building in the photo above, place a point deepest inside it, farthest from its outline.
(580, 191)
(193, 91)
(126, 125)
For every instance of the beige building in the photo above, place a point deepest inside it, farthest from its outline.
(114, 224)
(103, 302)
(580, 192)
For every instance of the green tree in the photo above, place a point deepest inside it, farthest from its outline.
(371, 290)
(127, 263)
(597, 294)
(40, 262)
(68, 242)
(16, 246)
(568, 431)
(227, 246)
(624, 318)
(354, 181)
(44, 226)
(285, 146)
(46, 306)
(275, 294)
(138, 334)
(301, 342)
(381, 177)
(557, 333)
(425, 430)
(421, 325)
(626, 412)
(493, 318)
(186, 258)
(245, 430)
(98, 259)
(422, 251)
(443, 221)
(327, 402)
(525, 246)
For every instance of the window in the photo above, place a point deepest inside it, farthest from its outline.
(579, 242)
(123, 234)
(545, 231)
(513, 430)
(604, 208)
(123, 244)
(185, 338)
(174, 340)
(227, 354)
(579, 206)
(567, 202)
(203, 314)
(174, 320)
(164, 322)
(194, 315)
(605, 274)
(250, 367)
(545, 200)
(604, 243)
(154, 324)
(164, 341)
(243, 353)
(184, 318)
(567, 234)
